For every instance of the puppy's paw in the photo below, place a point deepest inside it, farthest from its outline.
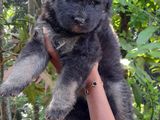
(7, 89)
(56, 114)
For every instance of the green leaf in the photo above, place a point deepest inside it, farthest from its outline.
(125, 45)
(137, 94)
(32, 92)
(122, 2)
(138, 114)
(135, 53)
(155, 54)
(151, 46)
(144, 35)
(144, 49)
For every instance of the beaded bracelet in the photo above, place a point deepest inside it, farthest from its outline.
(89, 86)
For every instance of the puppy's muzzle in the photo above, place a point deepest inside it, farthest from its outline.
(79, 20)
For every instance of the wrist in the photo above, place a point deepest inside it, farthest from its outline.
(93, 76)
(93, 82)
(92, 85)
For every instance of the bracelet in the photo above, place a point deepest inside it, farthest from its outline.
(89, 86)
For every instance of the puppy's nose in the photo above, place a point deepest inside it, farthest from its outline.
(79, 20)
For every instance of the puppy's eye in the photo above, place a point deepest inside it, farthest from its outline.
(96, 2)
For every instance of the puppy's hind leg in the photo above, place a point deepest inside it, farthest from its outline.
(30, 64)
(119, 97)
(110, 69)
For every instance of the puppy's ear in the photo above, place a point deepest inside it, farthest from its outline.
(108, 4)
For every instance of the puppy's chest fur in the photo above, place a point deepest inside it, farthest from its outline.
(64, 44)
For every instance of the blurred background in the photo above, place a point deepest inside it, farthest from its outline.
(137, 23)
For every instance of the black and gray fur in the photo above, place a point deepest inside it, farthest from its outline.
(81, 32)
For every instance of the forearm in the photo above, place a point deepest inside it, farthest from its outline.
(98, 105)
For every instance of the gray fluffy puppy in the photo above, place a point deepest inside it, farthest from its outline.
(81, 32)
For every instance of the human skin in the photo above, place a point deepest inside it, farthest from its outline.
(98, 104)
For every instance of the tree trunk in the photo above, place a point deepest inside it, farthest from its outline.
(125, 18)
(31, 7)
(5, 108)
(31, 11)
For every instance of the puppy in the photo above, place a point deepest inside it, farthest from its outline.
(82, 34)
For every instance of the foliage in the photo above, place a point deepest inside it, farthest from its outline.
(140, 43)
(137, 23)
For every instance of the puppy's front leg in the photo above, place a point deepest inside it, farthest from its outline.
(64, 94)
(30, 63)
